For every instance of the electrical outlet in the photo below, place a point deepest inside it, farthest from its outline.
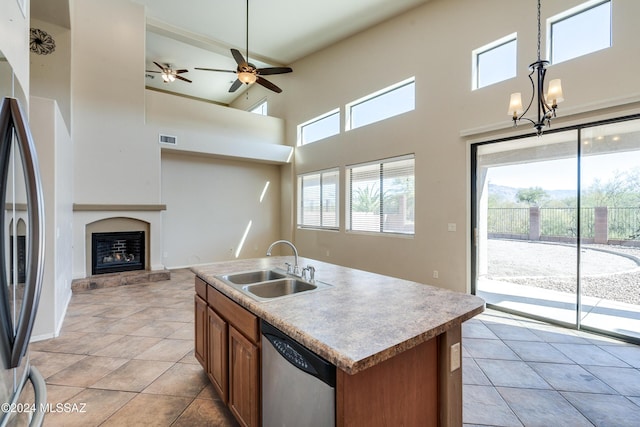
(451, 226)
(455, 357)
(435, 274)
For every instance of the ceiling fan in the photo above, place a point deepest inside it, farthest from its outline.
(169, 74)
(246, 72)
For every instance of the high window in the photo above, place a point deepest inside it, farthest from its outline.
(319, 128)
(381, 196)
(260, 108)
(388, 102)
(495, 62)
(318, 199)
(580, 31)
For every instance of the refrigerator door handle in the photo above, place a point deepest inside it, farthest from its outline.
(40, 392)
(40, 406)
(12, 119)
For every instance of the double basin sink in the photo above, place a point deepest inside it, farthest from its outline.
(266, 285)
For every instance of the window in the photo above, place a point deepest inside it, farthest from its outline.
(381, 196)
(318, 199)
(319, 128)
(388, 102)
(260, 108)
(580, 31)
(495, 62)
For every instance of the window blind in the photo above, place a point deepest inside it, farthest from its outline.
(381, 196)
(318, 199)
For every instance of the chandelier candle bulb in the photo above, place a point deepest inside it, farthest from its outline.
(515, 105)
(555, 96)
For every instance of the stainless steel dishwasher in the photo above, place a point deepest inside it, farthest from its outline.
(298, 386)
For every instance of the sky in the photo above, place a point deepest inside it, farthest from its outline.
(561, 174)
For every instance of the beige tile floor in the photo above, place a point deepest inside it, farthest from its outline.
(125, 358)
(521, 372)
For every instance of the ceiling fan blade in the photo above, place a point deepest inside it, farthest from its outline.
(151, 71)
(181, 71)
(273, 70)
(159, 66)
(214, 69)
(266, 83)
(182, 78)
(235, 85)
(238, 57)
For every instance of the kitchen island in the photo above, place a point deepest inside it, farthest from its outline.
(395, 343)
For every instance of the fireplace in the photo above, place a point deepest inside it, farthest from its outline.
(115, 252)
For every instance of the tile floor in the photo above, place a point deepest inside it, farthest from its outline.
(127, 353)
(520, 372)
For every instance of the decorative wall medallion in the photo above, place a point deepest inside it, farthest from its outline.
(41, 42)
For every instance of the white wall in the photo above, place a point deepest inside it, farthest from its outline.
(14, 40)
(434, 42)
(213, 178)
(211, 202)
(51, 74)
(210, 129)
(114, 163)
(54, 149)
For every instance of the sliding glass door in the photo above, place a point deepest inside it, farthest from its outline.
(610, 191)
(556, 223)
(526, 244)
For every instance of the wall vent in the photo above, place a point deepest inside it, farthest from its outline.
(168, 139)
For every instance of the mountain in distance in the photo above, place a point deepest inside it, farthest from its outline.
(509, 193)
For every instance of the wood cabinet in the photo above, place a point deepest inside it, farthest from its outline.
(217, 353)
(229, 337)
(244, 364)
(201, 330)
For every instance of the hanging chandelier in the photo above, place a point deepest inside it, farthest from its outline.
(547, 104)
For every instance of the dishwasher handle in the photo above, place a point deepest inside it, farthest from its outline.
(299, 356)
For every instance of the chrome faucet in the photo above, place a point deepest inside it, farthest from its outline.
(312, 273)
(296, 269)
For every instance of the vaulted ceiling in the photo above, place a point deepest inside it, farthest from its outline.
(200, 33)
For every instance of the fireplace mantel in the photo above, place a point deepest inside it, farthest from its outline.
(94, 207)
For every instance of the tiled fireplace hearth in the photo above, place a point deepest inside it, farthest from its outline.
(121, 245)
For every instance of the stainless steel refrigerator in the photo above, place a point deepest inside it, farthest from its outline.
(22, 388)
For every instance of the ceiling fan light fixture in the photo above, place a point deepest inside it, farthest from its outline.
(168, 76)
(246, 72)
(247, 77)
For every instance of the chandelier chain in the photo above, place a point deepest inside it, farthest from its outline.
(538, 30)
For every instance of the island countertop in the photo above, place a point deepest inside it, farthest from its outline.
(361, 320)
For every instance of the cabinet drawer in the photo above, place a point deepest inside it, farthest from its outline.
(201, 288)
(232, 312)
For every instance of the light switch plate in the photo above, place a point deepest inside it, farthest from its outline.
(455, 357)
